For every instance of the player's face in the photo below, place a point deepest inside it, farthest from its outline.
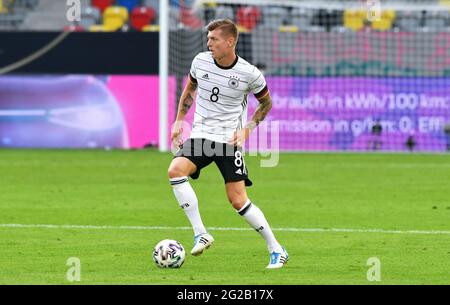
(219, 44)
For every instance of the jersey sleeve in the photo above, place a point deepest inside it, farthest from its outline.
(192, 72)
(258, 84)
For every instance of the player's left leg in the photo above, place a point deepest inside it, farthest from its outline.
(237, 195)
(235, 174)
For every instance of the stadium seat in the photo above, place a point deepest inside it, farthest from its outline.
(274, 17)
(129, 4)
(209, 11)
(174, 18)
(224, 12)
(302, 20)
(114, 18)
(212, 4)
(189, 19)
(327, 19)
(389, 14)
(354, 19)
(248, 17)
(385, 22)
(102, 4)
(11, 21)
(151, 3)
(409, 21)
(381, 24)
(436, 21)
(2, 8)
(142, 16)
(89, 16)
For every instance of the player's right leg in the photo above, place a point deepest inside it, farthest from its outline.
(179, 170)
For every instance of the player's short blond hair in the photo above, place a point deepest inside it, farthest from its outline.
(227, 27)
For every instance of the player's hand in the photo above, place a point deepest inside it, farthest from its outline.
(239, 137)
(176, 134)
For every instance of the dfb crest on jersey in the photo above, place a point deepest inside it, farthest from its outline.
(233, 82)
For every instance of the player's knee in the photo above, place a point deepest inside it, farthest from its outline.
(175, 172)
(238, 204)
(237, 201)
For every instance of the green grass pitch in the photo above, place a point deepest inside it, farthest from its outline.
(390, 192)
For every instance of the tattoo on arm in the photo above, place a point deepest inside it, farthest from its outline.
(188, 100)
(186, 103)
(193, 86)
(265, 104)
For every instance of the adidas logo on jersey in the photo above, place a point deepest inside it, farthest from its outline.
(205, 76)
(239, 172)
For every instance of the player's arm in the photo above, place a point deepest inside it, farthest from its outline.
(187, 98)
(184, 104)
(265, 104)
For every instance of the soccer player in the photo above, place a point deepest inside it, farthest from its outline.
(222, 81)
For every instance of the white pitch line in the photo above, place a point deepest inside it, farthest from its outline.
(305, 230)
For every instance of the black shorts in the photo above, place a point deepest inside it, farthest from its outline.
(229, 159)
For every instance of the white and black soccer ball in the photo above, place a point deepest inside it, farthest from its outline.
(169, 253)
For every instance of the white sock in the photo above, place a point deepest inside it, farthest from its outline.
(188, 202)
(255, 217)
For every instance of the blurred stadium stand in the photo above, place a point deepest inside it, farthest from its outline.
(142, 16)
(286, 39)
(13, 13)
(436, 21)
(114, 18)
(409, 21)
(291, 16)
(90, 16)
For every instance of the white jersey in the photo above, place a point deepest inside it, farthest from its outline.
(221, 102)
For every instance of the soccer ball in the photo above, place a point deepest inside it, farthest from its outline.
(169, 253)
